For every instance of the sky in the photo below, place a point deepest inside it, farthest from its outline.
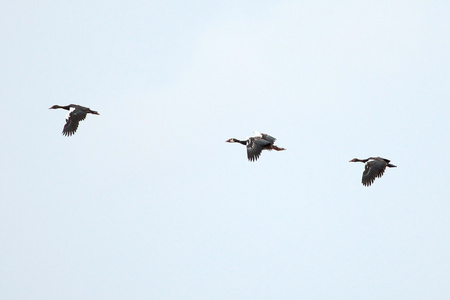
(147, 201)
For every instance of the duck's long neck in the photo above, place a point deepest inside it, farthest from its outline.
(241, 142)
(67, 107)
(363, 160)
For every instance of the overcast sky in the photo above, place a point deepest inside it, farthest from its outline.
(147, 201)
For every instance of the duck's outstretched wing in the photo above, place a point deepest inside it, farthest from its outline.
(266, 137)
(373, 169)
(254, 147)
(73, 119)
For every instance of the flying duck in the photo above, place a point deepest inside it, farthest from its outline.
(256, 144)
(374, 168)
(76, 114)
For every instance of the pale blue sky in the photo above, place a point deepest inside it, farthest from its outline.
(147, 201)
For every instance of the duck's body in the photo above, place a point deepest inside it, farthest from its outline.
(375, 167)
(76, 114)
(256, 144)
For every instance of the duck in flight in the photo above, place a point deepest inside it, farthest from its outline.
(76, 114)
(256, 144)
(375, 167)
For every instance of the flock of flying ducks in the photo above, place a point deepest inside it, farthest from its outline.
(374, 166)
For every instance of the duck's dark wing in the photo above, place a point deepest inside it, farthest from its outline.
(72, 121)
(268, 138)
(384, 159)
(374, 169)
(254, 148)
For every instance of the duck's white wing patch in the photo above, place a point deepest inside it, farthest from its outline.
(257, 134)
(70, 111)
